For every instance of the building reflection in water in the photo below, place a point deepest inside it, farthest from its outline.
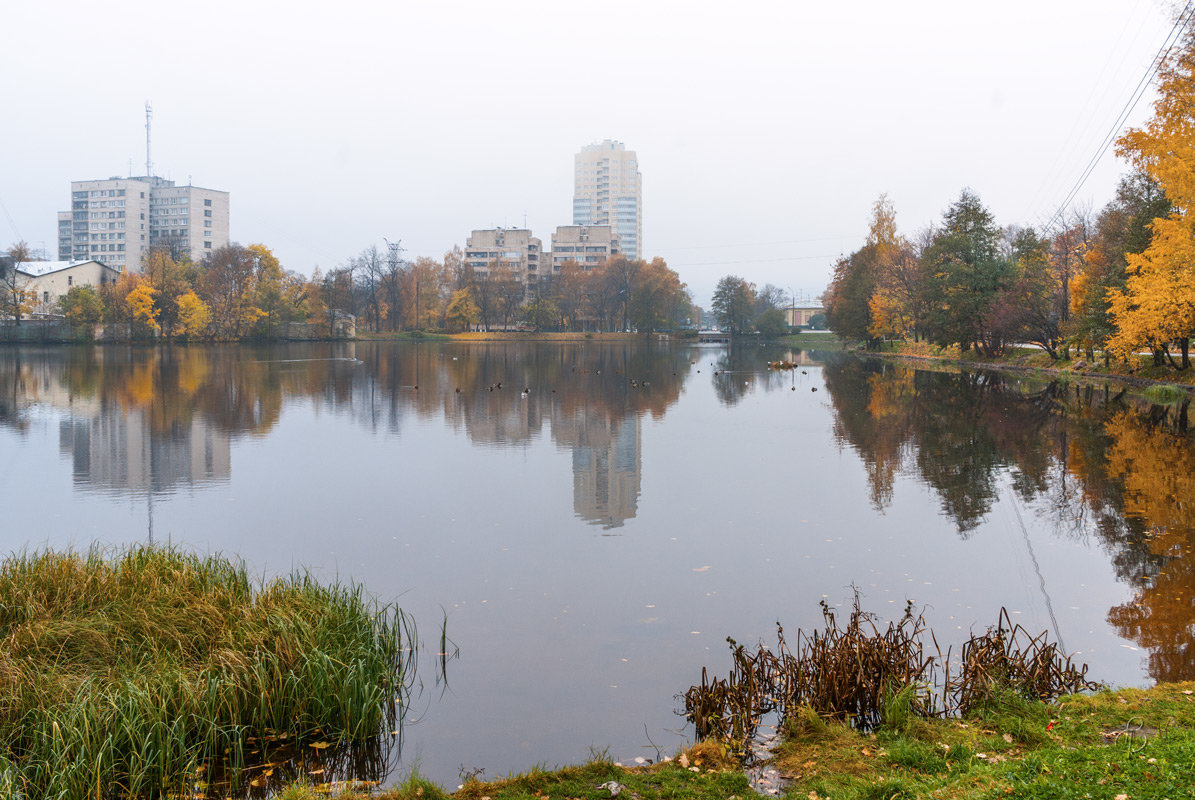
(607, 468)
(118, 452)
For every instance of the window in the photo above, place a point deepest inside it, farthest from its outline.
(208, 245)
(207, 213)
(207, 203)
(70, 280)
(45, 297)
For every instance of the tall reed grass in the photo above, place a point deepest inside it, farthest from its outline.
(871, 676)
(127, 674)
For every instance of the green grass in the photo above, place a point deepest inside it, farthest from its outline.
(1075, 747)
(1166, 393)
(125, 673)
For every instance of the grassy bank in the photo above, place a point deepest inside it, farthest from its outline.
(813, 340)
(1138, 371)
(141, 672)
(1137, 744)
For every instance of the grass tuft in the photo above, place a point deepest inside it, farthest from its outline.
(125, 673)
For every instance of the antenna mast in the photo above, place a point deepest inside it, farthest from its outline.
(149, 115)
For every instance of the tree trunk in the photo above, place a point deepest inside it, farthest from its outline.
(1185, 345)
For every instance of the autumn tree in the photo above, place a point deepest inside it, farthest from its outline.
(507, 287)
(570, 291)
(140, 307)
(82, 307)
(193, 315)
(659, 299)
(16, 298)
(1157, 305)
(170, 277)
(428, 289)
(461, 312)
(893, 308)
(622, 273)
(540, 313)
(227, 284)
(1123, 227)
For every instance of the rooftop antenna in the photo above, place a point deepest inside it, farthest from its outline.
(149, 115)
(524, 220)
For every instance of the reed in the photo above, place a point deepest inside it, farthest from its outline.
(868, 676)
(130, 673)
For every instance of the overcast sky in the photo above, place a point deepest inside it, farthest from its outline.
(764, 130)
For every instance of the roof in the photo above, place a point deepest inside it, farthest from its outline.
(40, 269)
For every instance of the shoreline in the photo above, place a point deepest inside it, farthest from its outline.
(1184, 381)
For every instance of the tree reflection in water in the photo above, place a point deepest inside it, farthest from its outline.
(1094, 460)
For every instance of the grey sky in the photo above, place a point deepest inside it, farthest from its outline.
(764, 130)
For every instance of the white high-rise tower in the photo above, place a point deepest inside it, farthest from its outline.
(608, 190)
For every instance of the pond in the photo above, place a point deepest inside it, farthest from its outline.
(592, 520)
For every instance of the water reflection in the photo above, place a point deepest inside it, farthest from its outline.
(1093, 461)
(150, 420)
(442, 473)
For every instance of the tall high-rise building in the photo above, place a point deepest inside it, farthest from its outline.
(117, 220)
(608, 190)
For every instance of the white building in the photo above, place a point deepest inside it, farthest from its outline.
(48, 281)
(117, 220)
(608, 190)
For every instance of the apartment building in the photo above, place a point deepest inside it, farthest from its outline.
(588, 245)
(117, 220)
(513, 248)
(608, 190)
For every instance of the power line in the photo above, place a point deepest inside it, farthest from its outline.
(1163, 53)
(760, 244)
(752, 261)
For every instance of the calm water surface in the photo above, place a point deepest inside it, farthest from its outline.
(595, 527)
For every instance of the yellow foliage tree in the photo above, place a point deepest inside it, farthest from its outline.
(1157, 305)
(140, 305)
(193, 315)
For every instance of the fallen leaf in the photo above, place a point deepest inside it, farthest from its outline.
(268, 773)
(320, 745)
(319, 771)
(683, 760)
(700, 569)
(1008, 738)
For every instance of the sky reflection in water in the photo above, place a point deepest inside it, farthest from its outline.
(597, 525)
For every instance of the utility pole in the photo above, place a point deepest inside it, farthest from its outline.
(396, 260)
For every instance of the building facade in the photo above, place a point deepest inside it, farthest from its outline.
(801, 316)
(48, 281)
(608, 190)
(117, 220)
(513, 248)
(588, 245)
